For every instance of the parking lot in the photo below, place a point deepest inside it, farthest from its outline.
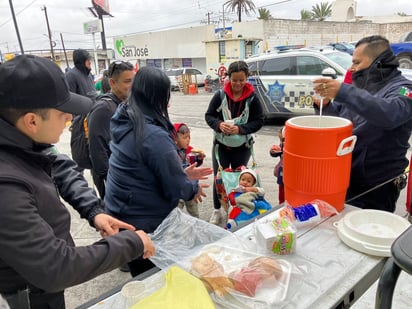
(190, 110)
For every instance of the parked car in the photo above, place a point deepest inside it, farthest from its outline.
(343, 47)
(407, 73)
(175, 76)
(403, 50)
(283, 80)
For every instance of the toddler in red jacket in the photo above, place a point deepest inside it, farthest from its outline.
(188, 156)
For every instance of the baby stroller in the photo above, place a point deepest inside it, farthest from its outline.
(240, 208)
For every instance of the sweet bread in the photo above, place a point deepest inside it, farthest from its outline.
(212, 274)
(247, 280)
(268, 266)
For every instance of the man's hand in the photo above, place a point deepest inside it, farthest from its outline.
(200, 193)
(326, 87)
(149, 248)
(198, 173)
(107, 225)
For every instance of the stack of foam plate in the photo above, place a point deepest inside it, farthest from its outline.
(371, 231)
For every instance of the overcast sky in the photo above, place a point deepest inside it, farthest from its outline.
(135, 16)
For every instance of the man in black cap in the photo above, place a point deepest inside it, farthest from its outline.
(38, 258)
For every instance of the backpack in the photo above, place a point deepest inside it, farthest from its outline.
(79, 142)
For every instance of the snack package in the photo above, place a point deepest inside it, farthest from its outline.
(308, 213)
(277, 235)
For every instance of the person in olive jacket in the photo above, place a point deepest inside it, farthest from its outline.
(38, 257)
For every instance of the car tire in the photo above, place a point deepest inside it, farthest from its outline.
(405, 62)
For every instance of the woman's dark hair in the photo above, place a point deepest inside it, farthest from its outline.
(105, 84)
(238, 66)
(150, 95)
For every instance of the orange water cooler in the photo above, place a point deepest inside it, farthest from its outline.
(317, 157)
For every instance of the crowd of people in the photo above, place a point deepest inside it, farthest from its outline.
(140, 162)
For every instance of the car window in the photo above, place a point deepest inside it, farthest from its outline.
(252, 67)
(343, 59)
(278, 66)
(340, 47)
(308, 65)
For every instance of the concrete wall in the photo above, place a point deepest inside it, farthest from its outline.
(201, 44)
(313, 33)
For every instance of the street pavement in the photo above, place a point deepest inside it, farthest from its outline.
(190, 110)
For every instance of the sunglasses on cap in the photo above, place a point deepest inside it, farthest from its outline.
(119, 65)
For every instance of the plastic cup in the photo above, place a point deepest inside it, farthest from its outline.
(230, 121)
(132, 292)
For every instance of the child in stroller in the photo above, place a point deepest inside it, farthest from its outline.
(246, 201)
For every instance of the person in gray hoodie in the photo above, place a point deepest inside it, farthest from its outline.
(79, 78)
(81, 82)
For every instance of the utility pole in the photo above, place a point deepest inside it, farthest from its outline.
(16, 27)
(48, 30)
(65, 53)
(223, 12)
(208, 17)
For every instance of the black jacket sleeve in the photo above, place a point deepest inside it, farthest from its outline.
(214, 117)
(74, 188)
(99, 136)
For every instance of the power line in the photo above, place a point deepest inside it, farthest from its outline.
(22, 10)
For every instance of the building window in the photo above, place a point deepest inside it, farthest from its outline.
(222, 51)
(187, 62)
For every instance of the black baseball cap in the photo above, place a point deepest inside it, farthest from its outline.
(32, 82)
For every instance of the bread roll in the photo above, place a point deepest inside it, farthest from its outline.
(212, 274)
(268, 267)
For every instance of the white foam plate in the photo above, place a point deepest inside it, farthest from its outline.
(371, 231)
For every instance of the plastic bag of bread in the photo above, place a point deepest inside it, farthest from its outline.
(227, 264)
(180, 236)
(241, 277)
